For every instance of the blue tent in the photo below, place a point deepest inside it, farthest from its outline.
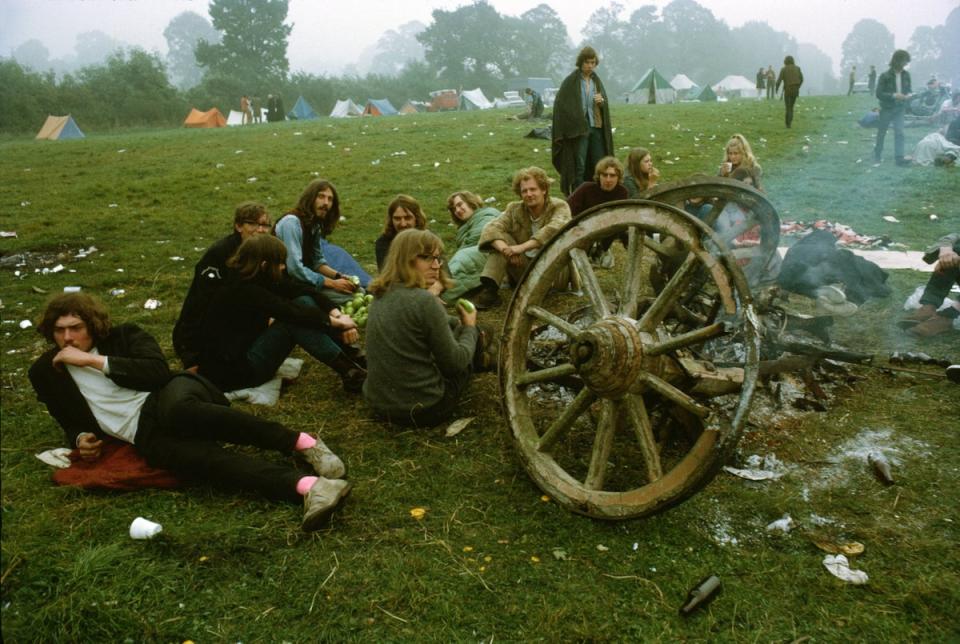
(302, 111)
(58, 128)
(379, 107)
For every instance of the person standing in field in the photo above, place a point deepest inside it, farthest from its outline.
(257, 106)
(771, 82)
(581, 123)
(792, 78)
(761, 81)
(245, 108)
(872, 79)
(853, 80)
(894, 92)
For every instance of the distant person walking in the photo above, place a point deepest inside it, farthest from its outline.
(581, 123)
(761, 81)
(245, 108)
(893, 92)
(792, 78)
(853, 80)
(771, 81)
(872, 79)
(257, 109)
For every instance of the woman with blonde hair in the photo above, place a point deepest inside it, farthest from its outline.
(640, 172)
(419, 359)
(739, 162)
(402, 213)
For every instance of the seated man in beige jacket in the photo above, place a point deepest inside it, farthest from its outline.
(514, 239)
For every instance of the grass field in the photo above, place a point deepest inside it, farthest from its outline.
(492, 559)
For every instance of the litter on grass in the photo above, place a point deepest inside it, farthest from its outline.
(839, 567)
(458, 426)
(759, 468)
(784, 524)
(151, 304)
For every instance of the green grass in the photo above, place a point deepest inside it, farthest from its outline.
(481, 563)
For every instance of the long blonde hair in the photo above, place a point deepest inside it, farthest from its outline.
(398, 267)
(740, 141)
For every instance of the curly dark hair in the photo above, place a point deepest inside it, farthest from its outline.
(86, 307)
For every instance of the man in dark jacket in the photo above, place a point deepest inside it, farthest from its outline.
(893, 92)
(249, 219)
(581, 123)
(101, 380)
(792, 78)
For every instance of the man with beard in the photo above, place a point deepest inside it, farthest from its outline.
(514, 238)
(581, 123)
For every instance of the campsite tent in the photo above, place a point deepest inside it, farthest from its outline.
(652, 88)
(706, 95)
(735, 85)
(234, 118)
(473, 99)
(301, 111)
(58, 128)
(686, 88)
(379, 107)
(444, 99)
(346, 108)
(413, 107)
(210, 118)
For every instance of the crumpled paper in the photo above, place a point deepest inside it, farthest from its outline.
(839, 567)
(58, 457)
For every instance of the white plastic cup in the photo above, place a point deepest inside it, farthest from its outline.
(144, 529)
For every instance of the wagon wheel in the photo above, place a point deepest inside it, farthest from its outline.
(618, 424)
(742, 217)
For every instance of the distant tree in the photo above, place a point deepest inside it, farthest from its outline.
(468, 45)
(26, 99)
(818, 77)
(130, 89)
(253, 47)
(951, 48)
(869, 43)
(760, 45)
(700, 44)
(396, 48)
(542, 44)
(182, 35)
(608, 33)
(93, 47)
(33, 54)
(926, 52)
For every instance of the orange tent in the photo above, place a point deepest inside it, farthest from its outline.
(210, 118)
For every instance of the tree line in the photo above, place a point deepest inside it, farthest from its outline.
(244, 52)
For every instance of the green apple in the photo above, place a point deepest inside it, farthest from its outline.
(467, 305)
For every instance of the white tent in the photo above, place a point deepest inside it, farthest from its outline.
(473, 99)
(346, 108)
(736, 85)
(682, 82)
(235, 118)
(652, 88)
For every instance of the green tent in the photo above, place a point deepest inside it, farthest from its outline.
(706, 95)
(652, 88)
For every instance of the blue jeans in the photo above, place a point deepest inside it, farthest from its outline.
(589, 152)
(888, 116)
(268, 351)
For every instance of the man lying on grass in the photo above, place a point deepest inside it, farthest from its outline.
(101, 380)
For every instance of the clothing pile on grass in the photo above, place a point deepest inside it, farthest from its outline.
(846, 236)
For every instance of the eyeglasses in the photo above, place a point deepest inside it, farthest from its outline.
(431, 259)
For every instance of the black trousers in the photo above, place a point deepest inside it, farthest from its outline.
(789, 99)
(181, 428)
(439, 412)
(939, 285)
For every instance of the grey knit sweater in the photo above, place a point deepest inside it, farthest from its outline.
(411, 345)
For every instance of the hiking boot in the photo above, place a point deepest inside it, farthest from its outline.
(320, 502)
(323, 461)
(488, 298)
(917, 316)
(933, 326)
(485, 354)
(352, 374)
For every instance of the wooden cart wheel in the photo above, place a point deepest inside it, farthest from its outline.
(740, 215)
(610, 404)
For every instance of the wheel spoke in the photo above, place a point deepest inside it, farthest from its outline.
(637, 411)
(554, 321)
(670, 294)
(684, 340)
(718, 206)
(589, 282)
(635, 243)
(562, 425)
(602, 443)
(673, 394)
(549, 373)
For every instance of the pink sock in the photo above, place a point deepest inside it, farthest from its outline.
(304, 484)
(304, 441)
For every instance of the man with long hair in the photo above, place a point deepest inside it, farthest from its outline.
(894, 92)
(99, 380)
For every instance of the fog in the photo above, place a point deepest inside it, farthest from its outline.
(328, 37)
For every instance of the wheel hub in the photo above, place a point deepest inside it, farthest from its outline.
(608, 356)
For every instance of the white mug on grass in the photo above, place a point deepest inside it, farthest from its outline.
(144, 529)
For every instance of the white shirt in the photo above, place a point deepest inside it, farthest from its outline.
(115, 408)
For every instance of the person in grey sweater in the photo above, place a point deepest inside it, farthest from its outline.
(419, 359)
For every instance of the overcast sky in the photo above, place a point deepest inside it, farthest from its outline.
(327, 35)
